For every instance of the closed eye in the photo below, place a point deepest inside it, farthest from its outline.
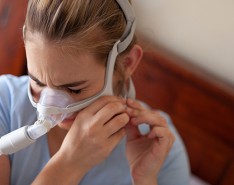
(39, 84)
(74, 91)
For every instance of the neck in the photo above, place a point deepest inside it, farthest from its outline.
(55, 139)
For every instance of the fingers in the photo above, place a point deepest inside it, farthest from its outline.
(141, 115)
(134, 104)
(110, 110)
(106, 115)
(133, 107)
(115, 138)
(158, 124)
(102, 110)
(160, 133)
(153, 118)
(132, 132)
(116, 124)
(164, 138)
(101, 102)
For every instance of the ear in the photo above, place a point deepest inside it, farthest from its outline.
(132, 59)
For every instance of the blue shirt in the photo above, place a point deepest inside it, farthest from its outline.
(17, 111)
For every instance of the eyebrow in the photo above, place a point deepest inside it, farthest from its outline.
(73, 84)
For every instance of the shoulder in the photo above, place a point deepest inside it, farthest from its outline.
(12, 88)
(15, 106)
(10, 82)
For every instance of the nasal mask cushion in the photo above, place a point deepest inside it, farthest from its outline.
(51, 105)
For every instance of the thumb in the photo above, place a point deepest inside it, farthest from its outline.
(132, 132)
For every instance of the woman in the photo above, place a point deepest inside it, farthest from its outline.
(68, 46)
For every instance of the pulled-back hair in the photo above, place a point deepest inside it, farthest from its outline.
(92, 25)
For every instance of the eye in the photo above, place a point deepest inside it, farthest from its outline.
(39, 84)
(74, 91)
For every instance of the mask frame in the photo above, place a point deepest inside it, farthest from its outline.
(118, 48)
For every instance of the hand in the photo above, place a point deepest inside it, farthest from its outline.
(95, 132)
(146, 153)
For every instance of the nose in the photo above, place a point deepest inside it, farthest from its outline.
(54, 97)
(50, 101)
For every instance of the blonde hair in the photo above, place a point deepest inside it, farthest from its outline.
(92, 25)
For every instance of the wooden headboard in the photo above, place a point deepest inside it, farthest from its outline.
(12, 54)
(201, 107)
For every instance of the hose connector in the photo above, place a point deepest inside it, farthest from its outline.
(15, 141)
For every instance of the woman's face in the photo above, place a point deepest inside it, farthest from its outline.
(50, 65)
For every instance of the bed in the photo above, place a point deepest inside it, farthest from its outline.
(201, 106)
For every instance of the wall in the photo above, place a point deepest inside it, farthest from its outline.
(201, 31)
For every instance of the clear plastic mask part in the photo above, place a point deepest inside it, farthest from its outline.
(54, 100)
(50, 99)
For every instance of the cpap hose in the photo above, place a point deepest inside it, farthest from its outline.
(25, 136)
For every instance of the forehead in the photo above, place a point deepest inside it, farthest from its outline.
(37, 41)
(57, 61)
(36, 44)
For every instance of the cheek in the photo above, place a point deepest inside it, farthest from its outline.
(95, 86)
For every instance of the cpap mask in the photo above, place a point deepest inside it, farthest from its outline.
(54, 105)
